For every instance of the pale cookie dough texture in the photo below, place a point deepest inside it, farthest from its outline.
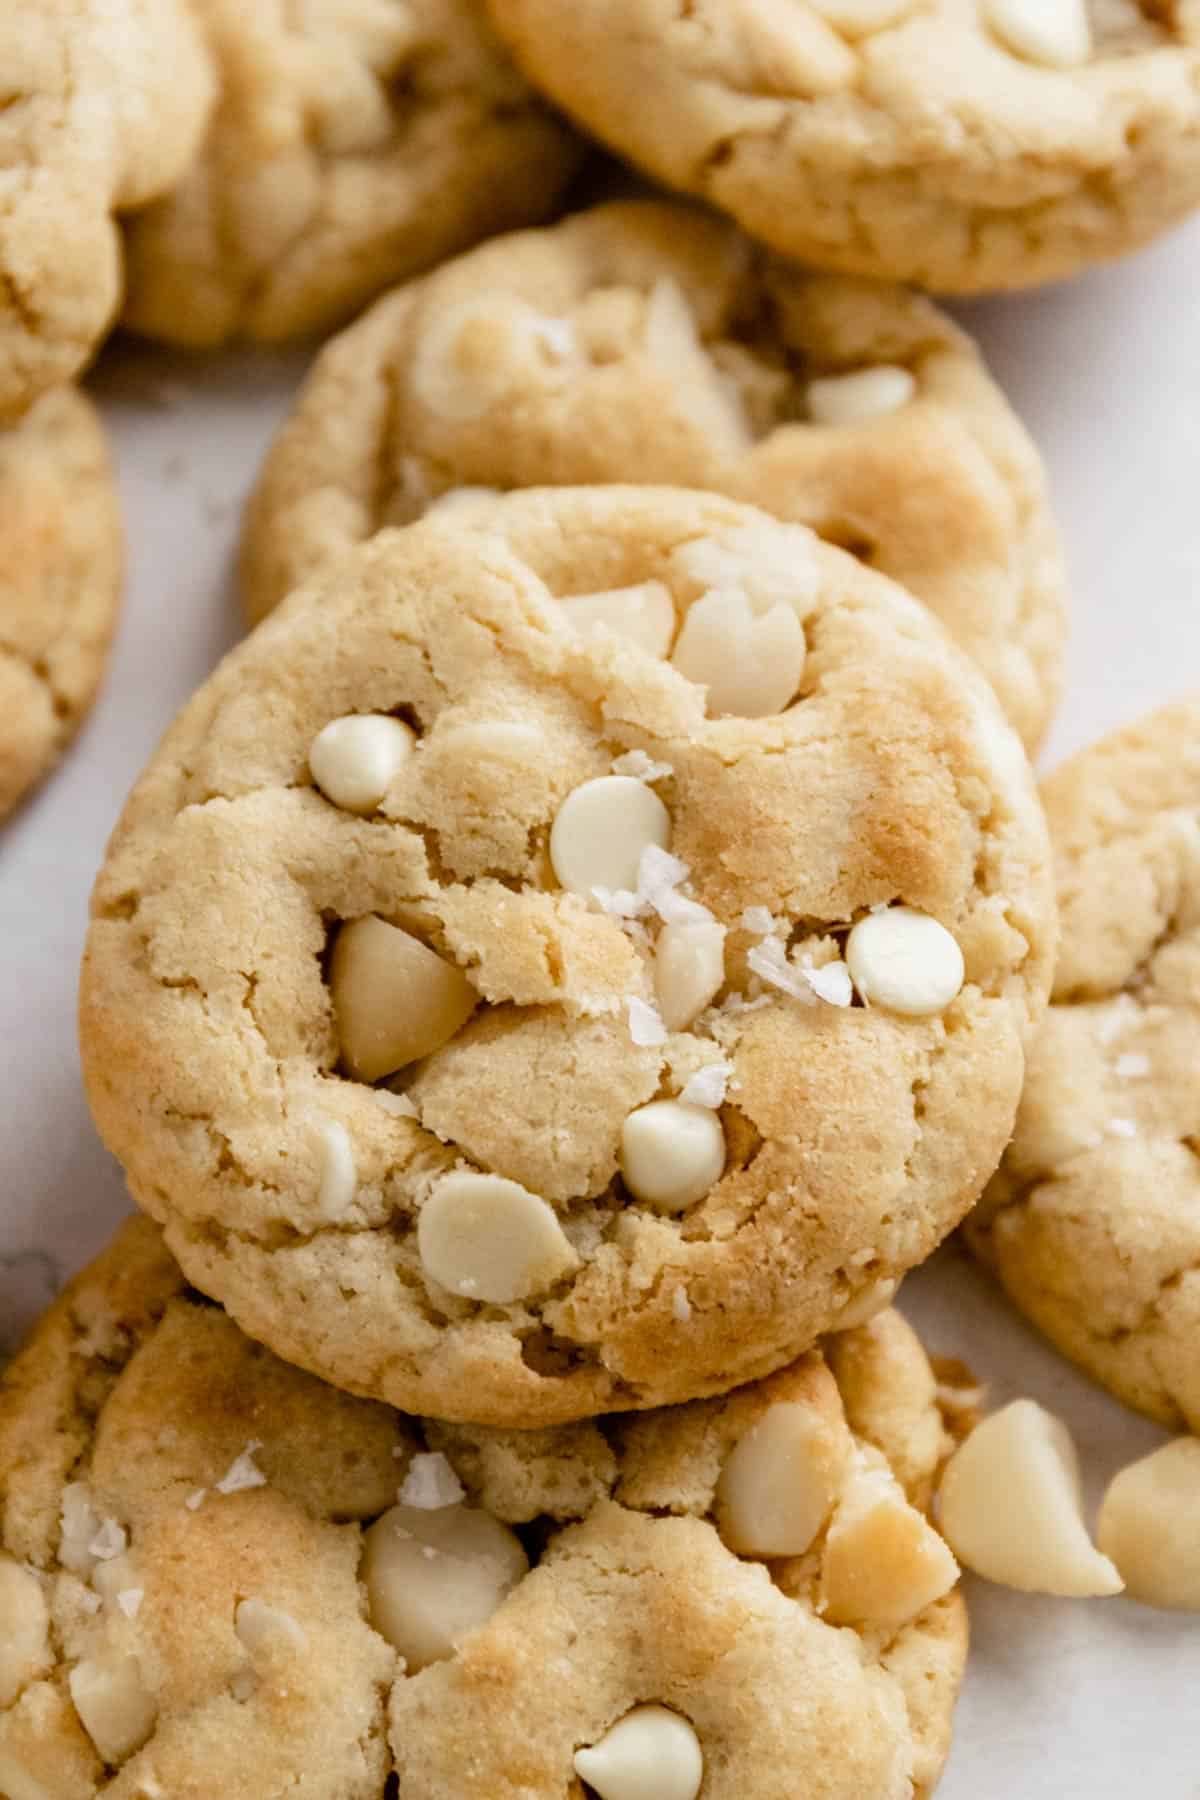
(648, 342)
(355, 143)
(202, 1576)
(960, 144)
(102, 106)
(646, 1166)
(1093, 1221)
(61, 562)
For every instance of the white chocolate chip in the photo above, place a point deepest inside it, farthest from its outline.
(395, 999)
(644, 614)
(337, 1178)
(1055, 34)
(779, 1483)
(1149, 1525)
(904, 960)
(433, 1576)
(857, 398)
(355, 760)
(650, 1754)
(266, 1630)
(859, 18)
(490, 1239)
(24, 1629)
(750, 662)
(883, 1562)
(1011, 1506)
(430, 1482)
(601, 830)
(672, 1154)
(114, 1705)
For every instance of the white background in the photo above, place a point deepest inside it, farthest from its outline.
(1063, 1700)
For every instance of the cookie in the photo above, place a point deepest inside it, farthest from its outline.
(60, 582)
(219, 1575)
(1093, 1221)
(103, 105)
(649, 342)
(356, 142)
(960, 146)
(433, 826)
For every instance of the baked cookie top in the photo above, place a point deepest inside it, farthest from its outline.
(960, 144)
(355, 142)
(1093, 1221)
(586, 829)
(103, 104)
(219, 1575)
(61, 561)
(649, 342)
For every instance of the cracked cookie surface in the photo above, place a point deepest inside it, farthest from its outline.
(102, 105)
(669, 1146)
(355, 143)
(1093, 1220)
(960, 144)
(649, 342)
(196, 1593)
(60, 582)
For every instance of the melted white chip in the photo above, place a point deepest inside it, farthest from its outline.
(395, 1000)
(1011, 1506)
(750, 661)
(672, 1154)
(650, 1754)
(1055, 34)
(904, 960)
(857, 398)
(432, 1575)
(645, 614)
(780, 1481)
(489, 1239)
(354, 760)
(114, 1705)
(601, 830)
(430, 1482)
(1149, 1525)
(689, 969)
(266, 1630)
(337, 1176)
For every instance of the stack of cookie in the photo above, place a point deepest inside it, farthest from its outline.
(598, 932)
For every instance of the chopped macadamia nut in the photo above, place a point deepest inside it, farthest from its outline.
(267, 1630)
(601, 830)
(650, 1754)
(489, 1239)
(862, 1307)
(24, 1629)
(337, 1178)
(772, 564)
(905, 961)
(859, 397)
(430, 1482)
(355, 760)
(750, 662)
(689, 970)
(432, 1575)
(114, 1705)
(1011, 1508)
(672, 1154)
(396, 1001)
(883, 1561)
(1149, 1525)
(470, 357)
(645, 614)
(1055, 34)
(780, 1481)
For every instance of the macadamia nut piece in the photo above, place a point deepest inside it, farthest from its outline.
(487, 1238)
(395, 1000)
(433, 1575)
(1149, 1525)
(779, 1483)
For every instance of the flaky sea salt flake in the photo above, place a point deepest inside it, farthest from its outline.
(645, 1022)
(430, 1483)
(242, 1473)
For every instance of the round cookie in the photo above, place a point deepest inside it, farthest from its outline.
(218, 1574)
(1093, 1220)
(432, 827)
(959, 144)
(60, 582)
(355, 143)
(649, 342)
(104, 103)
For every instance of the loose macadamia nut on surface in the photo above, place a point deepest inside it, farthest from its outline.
(641, 1138)
(1010, 1507)
(219, 1575)
(1149, 1525)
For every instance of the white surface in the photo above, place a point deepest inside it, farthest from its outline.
(1063, 1700)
